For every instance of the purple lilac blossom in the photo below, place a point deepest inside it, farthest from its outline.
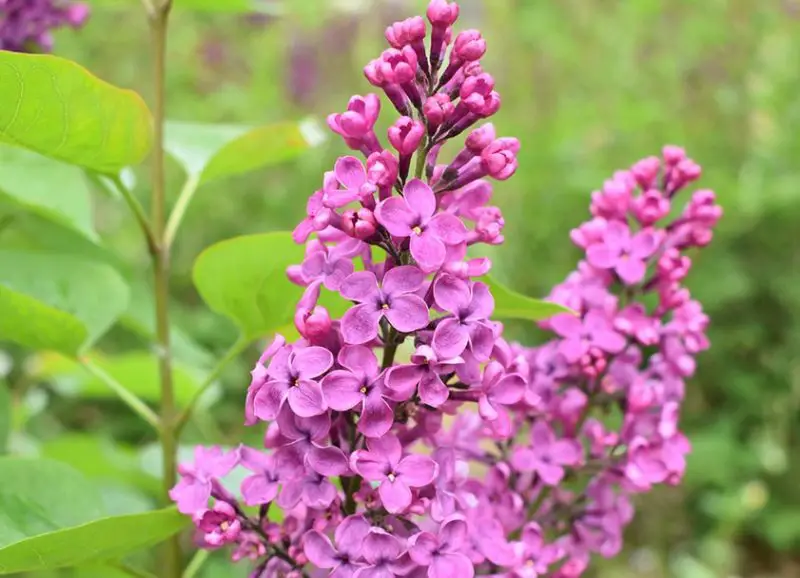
(472, 455)
(26, 25)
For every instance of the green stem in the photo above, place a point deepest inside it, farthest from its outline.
(231, 354)
(196, 563)
(158, 16)
(422, 153)
(133, 402)
(179, 210)
(137, 210)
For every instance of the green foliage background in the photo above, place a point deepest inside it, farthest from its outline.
(588, 86)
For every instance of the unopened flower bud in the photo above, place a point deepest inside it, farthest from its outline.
(650, 207)
(405, 32)
(673, 155)
(406, 134)
(480, 138)
(500, 158)
(437, 109)
(469, 46)
(360, 224)
(442, 12)
(398, 66)
(645, 171)
(382, 168)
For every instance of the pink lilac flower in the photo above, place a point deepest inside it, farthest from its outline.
(626, 254)
(383, 462)
(360, 384)
(395, 300)
(342, 560)
(425, 373)
(194, 488)
(470, 307)
(547, 455)
(413, 216)
(579, 336)
(291, 376)
(26, 25)
(219, 525)
(381, 552)
(441, 553)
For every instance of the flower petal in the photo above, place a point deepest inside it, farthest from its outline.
(268, 401)
(449, 228)
(329, 461)
(421, 548)
(376, 417)
(319, 550)
(602, 256)
(453, 534)
(350, 172)
(402, 380)
(566, 324)
(433, 391)
(342, 390)
(451, 293)
(395, 215)
(395, 496)
(428, 251)
(482, 304)
(361, 286)
(631, 270)
(309, 362)
(420, 198)
(451, 564)
(257, 490)
(379, 545)
(403, 279)
(388, 446)
(417, 471)
(450, 338)
(350, 535)
(306, 399)
(360, 323)
(508, 390)
(407, 313)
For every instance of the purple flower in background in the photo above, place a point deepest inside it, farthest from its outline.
(626, 254)
(342, 560)
(291, 376)
(219, 525)
(547, 455)
(332, 266)
(594, 330)
(442, 554)
(393, 300)
(26, 25)
(414, 215)
(262, 486)
(303, 447)
(383, 462)
(192, 492)
(471, 308)
(499, 389)
(350, 174)
(359, 383)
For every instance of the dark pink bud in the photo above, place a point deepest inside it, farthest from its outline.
(673, 266)
(481, 84)
(589, 232)
(318, 323)
(703, 208)
(398, 66)
(612, 202)
(442, 12)
(673, 154)
(489, 225)
(359, 118)
(499, 159)
(437, 109)
(480, 138)
(360, 224)
(650, 207)
(469, 46)
(295, 275)
(382, 168)
(645, 171)
(686, 171)
(406, 32)
(406, 134)
(373, 73)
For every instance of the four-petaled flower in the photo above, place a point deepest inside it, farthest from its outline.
(192, 492)
(359, 383)
(394, 300)
(470, 308)
(547, 455)
(413, 216)
(580, 335)
(381, 551)
(383, 462)
(499, 389)
(330, 265)
(626, 254)
(291, 376)
(424, 371)
(342, 560)
(442, 554)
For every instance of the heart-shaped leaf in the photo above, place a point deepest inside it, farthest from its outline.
(52, 189)
(57, 302)
(59, 109)
(244, 278)
(509, 304)
(209, 151)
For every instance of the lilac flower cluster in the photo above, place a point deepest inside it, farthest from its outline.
(25, 25)
(469, 455)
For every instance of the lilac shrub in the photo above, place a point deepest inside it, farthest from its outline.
(472, 455)
(26, 25)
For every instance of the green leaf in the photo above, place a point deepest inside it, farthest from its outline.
(57, 108)
(209, 152)
(232, 6)
(509, 304)
(244, 279)
(105, 539)
(57, 302)
(38, 496)
(5, 416)
(50, 188)
(137, 371)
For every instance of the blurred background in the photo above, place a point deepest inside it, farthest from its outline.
(589, 86)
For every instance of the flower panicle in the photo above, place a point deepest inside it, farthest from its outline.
(27, 25)
(409, 437)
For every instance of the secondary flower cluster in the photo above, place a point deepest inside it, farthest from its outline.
(408, 437)
(25, 25)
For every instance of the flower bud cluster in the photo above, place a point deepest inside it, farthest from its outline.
(26, 25)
